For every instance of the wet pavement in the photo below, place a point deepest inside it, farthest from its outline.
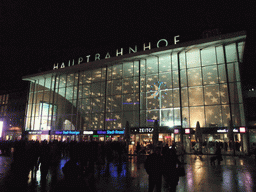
(234, 174)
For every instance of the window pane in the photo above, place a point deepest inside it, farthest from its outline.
(194, 77)
(174, 61)
(136, 68)
(142, 67)
(164, 63)
(231, 55)
(166, 100)
(117, 71)
(197, 114)
(225, 115)
(212, 95)
(151, 83)
(222, 73)
(183, 78)
(117, 87)
(143, 87)
(117, 120)
(193, 58)
(128, 69)
(152, 65)
(241, 50)
(224, 93)
(184, 97)
(195, 96)
(116, 103)
(152, 101)
(208, 56)
(213, 116)
(175, 79)
(97, 121)
(167, 117)
(128, 102)
(176, 98)
(210, 75)
(185, 116)
(151, 117)
(182, 60)
(166, 80)
(97, 104)
(220, 54)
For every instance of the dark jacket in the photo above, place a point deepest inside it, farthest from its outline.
(154, 165)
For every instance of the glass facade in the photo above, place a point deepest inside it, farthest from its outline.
(178, 87)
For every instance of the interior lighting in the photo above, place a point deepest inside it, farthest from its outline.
(1, 128)
(187, 131)
(242, 129)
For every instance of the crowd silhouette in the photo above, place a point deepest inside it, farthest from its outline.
(29, 156)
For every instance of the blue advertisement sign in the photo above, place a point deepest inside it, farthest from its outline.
(110, 132)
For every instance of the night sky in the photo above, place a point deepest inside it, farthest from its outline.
(37, 34)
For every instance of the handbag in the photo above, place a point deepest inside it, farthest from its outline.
(181, 171)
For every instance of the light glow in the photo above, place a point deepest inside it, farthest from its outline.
(1, 128)
(242, 129)
(187, 131)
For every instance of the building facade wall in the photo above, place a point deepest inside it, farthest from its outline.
(177, 88)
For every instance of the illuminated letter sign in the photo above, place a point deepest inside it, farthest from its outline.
(80, 60)
(187, 131)
(131, 50)
(222, 131)
(166, 42)
(110, 132)
(88, 132)
(148, 47)
(119, 53)
(146, 130)
(175, 39)
(101, 132)
(58, 132)
(97, 55)
(35, 132)
(176, 131)
(119, 132)
(71, 132)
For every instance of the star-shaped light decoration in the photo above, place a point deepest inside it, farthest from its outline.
(119, 88)
(210, 112)
(154, 117)
(129, 100)
(208, 94)
(214, 99)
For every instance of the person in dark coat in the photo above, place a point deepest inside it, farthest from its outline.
(72, 179)
(170, 173)
(218, 154)
(154, 169)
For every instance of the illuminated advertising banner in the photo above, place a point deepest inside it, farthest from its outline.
(1, 128)
(66, 133)
(110, 132)
(38, 132)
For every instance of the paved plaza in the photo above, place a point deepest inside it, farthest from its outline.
(234, 174)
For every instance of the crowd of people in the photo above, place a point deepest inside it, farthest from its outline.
(33, 155)
(163, 162)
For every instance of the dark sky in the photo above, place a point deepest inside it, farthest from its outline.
(37, 34)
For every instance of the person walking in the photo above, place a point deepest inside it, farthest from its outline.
(218, 154)
(154, 169)
(170, 173)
